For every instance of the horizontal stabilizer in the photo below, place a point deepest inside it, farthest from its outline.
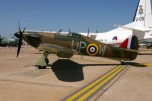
(143, 29)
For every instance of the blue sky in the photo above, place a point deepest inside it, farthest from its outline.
(76, 15)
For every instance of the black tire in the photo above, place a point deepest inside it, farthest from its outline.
(41, 67)
(122, 63)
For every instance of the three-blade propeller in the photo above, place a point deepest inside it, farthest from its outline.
(20, 36)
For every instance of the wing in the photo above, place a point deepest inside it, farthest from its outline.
(55, 49)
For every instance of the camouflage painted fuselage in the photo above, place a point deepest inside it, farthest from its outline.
(66, 45)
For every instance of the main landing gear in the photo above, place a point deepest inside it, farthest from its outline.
(43, 61)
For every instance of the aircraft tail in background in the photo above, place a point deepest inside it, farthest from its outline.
(140, 27)
(143, 15)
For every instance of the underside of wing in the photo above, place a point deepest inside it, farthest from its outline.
(55, 49)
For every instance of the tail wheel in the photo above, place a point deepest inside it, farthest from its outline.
(122, 63)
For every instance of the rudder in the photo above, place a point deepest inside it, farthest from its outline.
(130, 43)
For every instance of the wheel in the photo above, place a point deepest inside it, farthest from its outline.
(41, 67)
(122, 63)
(47, 61)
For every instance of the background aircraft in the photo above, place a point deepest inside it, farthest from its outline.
(67, 45)
(4, 42)
(141, 27)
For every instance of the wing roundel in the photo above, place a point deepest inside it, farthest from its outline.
(92, 49)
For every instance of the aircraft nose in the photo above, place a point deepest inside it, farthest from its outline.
(17, 35)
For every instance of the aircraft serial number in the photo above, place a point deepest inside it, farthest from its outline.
(140, 19)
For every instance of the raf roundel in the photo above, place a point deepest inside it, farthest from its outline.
(92, 49)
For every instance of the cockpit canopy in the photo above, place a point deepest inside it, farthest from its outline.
(75, 35)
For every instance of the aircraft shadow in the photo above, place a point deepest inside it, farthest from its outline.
(67, 70)
(70, 71)
(135, 64)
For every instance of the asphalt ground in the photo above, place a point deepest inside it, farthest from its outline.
(21, 81)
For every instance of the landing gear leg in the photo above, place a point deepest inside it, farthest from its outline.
(47, 61)
(43, 61)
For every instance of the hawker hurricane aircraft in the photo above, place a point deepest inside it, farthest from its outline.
(67, 45)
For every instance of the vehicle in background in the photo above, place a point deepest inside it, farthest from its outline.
(145, 44)
(142, 45)
(149, 45)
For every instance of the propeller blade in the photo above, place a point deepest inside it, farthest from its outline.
(20, 39)
(24, 30)
(19, 45)
(19, 27)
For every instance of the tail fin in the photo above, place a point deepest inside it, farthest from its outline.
(130, 43)
(143, 15)
(142, 22)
